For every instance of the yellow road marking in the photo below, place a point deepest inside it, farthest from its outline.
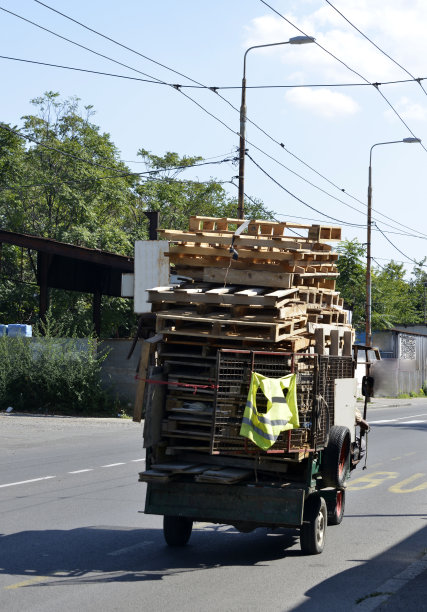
(24, 583)
(399, 486)
(371, 480)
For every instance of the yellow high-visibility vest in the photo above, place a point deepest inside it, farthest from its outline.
(282, 410)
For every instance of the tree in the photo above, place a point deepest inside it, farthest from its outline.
(392, 302)
(351, 282)
(177, 200)
(418, 291)
(65, 180)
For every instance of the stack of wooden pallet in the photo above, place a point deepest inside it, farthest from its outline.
(275, 292)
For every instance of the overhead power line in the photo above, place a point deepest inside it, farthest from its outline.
(211, 88)
(418, 80)
(299, 199)
(215, 89)
(401, 252)
(90, 163)
(178, 89)
(376, 86)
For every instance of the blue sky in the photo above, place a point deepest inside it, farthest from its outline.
(330, 128)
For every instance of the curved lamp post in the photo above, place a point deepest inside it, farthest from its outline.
(368, 339)
(296, 40)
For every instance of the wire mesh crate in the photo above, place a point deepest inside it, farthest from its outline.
(315, 398)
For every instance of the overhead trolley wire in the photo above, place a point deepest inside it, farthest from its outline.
(297, 198)
(418, 80)
(214, 89)
(178, 88)
(250, 121)
(211, 88)
(376, 85)
(401, 252)
(175, 86)
(90, 163)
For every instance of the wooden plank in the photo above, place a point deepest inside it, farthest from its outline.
(334, 349)
(347, 343)
(320, 343)
(248, 277)
(210, 251)
(147, 346)
(224, 262)
(311, 328)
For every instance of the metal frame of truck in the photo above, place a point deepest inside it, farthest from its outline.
(299, 484)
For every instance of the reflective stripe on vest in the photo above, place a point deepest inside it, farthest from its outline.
(282, 411)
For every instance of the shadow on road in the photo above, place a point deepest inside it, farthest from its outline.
(108, 554)
(346, 589)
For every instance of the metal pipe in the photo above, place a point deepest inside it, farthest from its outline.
(296, 40)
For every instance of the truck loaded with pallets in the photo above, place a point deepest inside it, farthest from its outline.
(209, 380)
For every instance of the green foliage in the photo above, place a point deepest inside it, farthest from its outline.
(403, 396)
(352, 279)
(87, 197)
(177, 200)
(52, 373)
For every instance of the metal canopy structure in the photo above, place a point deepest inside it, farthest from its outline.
(73, 268)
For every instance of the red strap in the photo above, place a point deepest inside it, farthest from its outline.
(176, 384)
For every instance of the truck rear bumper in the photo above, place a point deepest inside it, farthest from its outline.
(267, 506)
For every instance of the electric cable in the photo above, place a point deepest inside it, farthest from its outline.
(299, 199)
(159, 81)
(401, 252)
(376, 46)
(182, 167)
(211, 88)
(215, 91)
(376, 85)
(200, 106)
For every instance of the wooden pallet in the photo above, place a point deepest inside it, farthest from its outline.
(217, 239)
(243, 312)
(218, 326)
(259, 253)
(264, 228)
(208, 293)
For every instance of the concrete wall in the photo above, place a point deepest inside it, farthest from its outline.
(118, 372)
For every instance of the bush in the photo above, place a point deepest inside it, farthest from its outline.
(403, 396)
(52, 374)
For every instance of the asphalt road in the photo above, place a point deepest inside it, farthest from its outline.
(72, 537)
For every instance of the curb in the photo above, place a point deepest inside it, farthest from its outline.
(390, 587)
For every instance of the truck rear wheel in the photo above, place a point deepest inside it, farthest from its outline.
(336, 509)
(336, 457)
(313, 529)
(177, 530)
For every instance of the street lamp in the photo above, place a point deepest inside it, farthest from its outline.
(368, 340)
(296, 40)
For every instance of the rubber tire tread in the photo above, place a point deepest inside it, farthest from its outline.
(177, 530)
(308, 541)
(338, 436)
(333, 517)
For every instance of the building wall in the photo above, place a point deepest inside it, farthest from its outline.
(404, 365)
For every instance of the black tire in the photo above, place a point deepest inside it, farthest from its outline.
(336, 509)
(313, 529)
(177, 530)
(336, 457)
